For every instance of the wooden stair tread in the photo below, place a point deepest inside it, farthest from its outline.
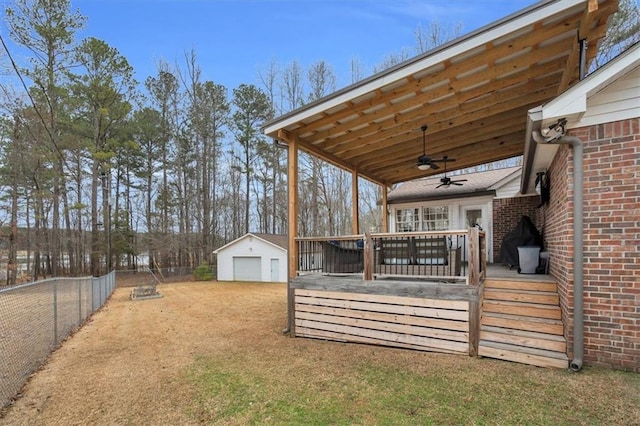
(524, 339)
(522, 309)
(522, 318)
(525, 296)
(523, 333)
(522, 355)
(531, 351)
(524, 303)
(521, 285)
(517, 322)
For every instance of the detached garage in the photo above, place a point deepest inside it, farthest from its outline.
(253, 257)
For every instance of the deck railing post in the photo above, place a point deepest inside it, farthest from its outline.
(474, 256)
(368, 257)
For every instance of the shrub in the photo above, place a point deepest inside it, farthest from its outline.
(203, 273)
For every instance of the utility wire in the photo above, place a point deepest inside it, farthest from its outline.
(33, 103)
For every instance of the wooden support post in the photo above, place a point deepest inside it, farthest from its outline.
(292, 183)
(474, 322)
(385, 213)
(474, 256)
(355, 210)
(367, 274)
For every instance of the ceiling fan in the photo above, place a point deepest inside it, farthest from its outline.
(424, 161)
(446, 181)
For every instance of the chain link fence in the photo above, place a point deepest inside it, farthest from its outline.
(36, 317)
(146, 276)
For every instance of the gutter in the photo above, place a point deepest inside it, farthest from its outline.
(556, 135)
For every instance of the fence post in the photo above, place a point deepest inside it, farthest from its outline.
(79, 302)
(55, 312)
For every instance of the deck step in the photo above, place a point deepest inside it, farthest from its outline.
(520, 285)
(529, 339)
(517, 322)
(523, 309)
(523, 355)
(529, 296)
(522, 322)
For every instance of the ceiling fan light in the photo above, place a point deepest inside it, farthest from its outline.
(424, 166)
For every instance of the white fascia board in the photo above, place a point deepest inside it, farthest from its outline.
(534, 118)
(573, 102)
(565, 107)
(465, 45)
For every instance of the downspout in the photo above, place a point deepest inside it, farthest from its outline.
(578, 241)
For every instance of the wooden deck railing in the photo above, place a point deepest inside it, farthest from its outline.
(439, 256)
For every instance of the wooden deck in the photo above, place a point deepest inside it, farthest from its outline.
(498, 271)
(510, 316)
(426, 316)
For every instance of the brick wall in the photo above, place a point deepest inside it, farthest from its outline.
(611, 241)
(506, 215)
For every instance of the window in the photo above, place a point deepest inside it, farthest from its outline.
(435, 218)
(422, 219)
(407, 220)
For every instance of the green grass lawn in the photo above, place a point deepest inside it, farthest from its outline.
(318, 383)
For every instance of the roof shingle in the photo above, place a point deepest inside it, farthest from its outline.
(425, 189)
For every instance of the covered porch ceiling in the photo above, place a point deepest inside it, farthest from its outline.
(473, 93)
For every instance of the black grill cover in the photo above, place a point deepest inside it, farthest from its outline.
(524, 234)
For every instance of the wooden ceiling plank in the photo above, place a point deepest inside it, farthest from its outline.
(413, 85)
(493, 74)
(444, 120)
(438, 142)
(592, 14)
(447, 146)
(477, 156)
(409, 122)
(523, 103)
(457, 151)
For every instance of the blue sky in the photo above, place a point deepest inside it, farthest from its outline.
(234, 39)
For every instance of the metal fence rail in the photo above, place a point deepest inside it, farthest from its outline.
(36, 317)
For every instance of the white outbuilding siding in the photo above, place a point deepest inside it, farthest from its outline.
(253, 257)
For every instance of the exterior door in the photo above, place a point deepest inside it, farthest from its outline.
(275, 270)
(473, 216)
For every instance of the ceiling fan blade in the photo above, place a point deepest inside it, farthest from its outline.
(442, 184)
(455, 182)
(434, 166)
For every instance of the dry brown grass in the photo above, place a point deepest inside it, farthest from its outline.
(214, 353)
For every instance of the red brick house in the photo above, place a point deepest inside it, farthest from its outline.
(597, 263)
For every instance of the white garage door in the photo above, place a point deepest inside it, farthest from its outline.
(247, 269)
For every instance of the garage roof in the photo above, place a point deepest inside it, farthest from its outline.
(279, 241)
(473, 93)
